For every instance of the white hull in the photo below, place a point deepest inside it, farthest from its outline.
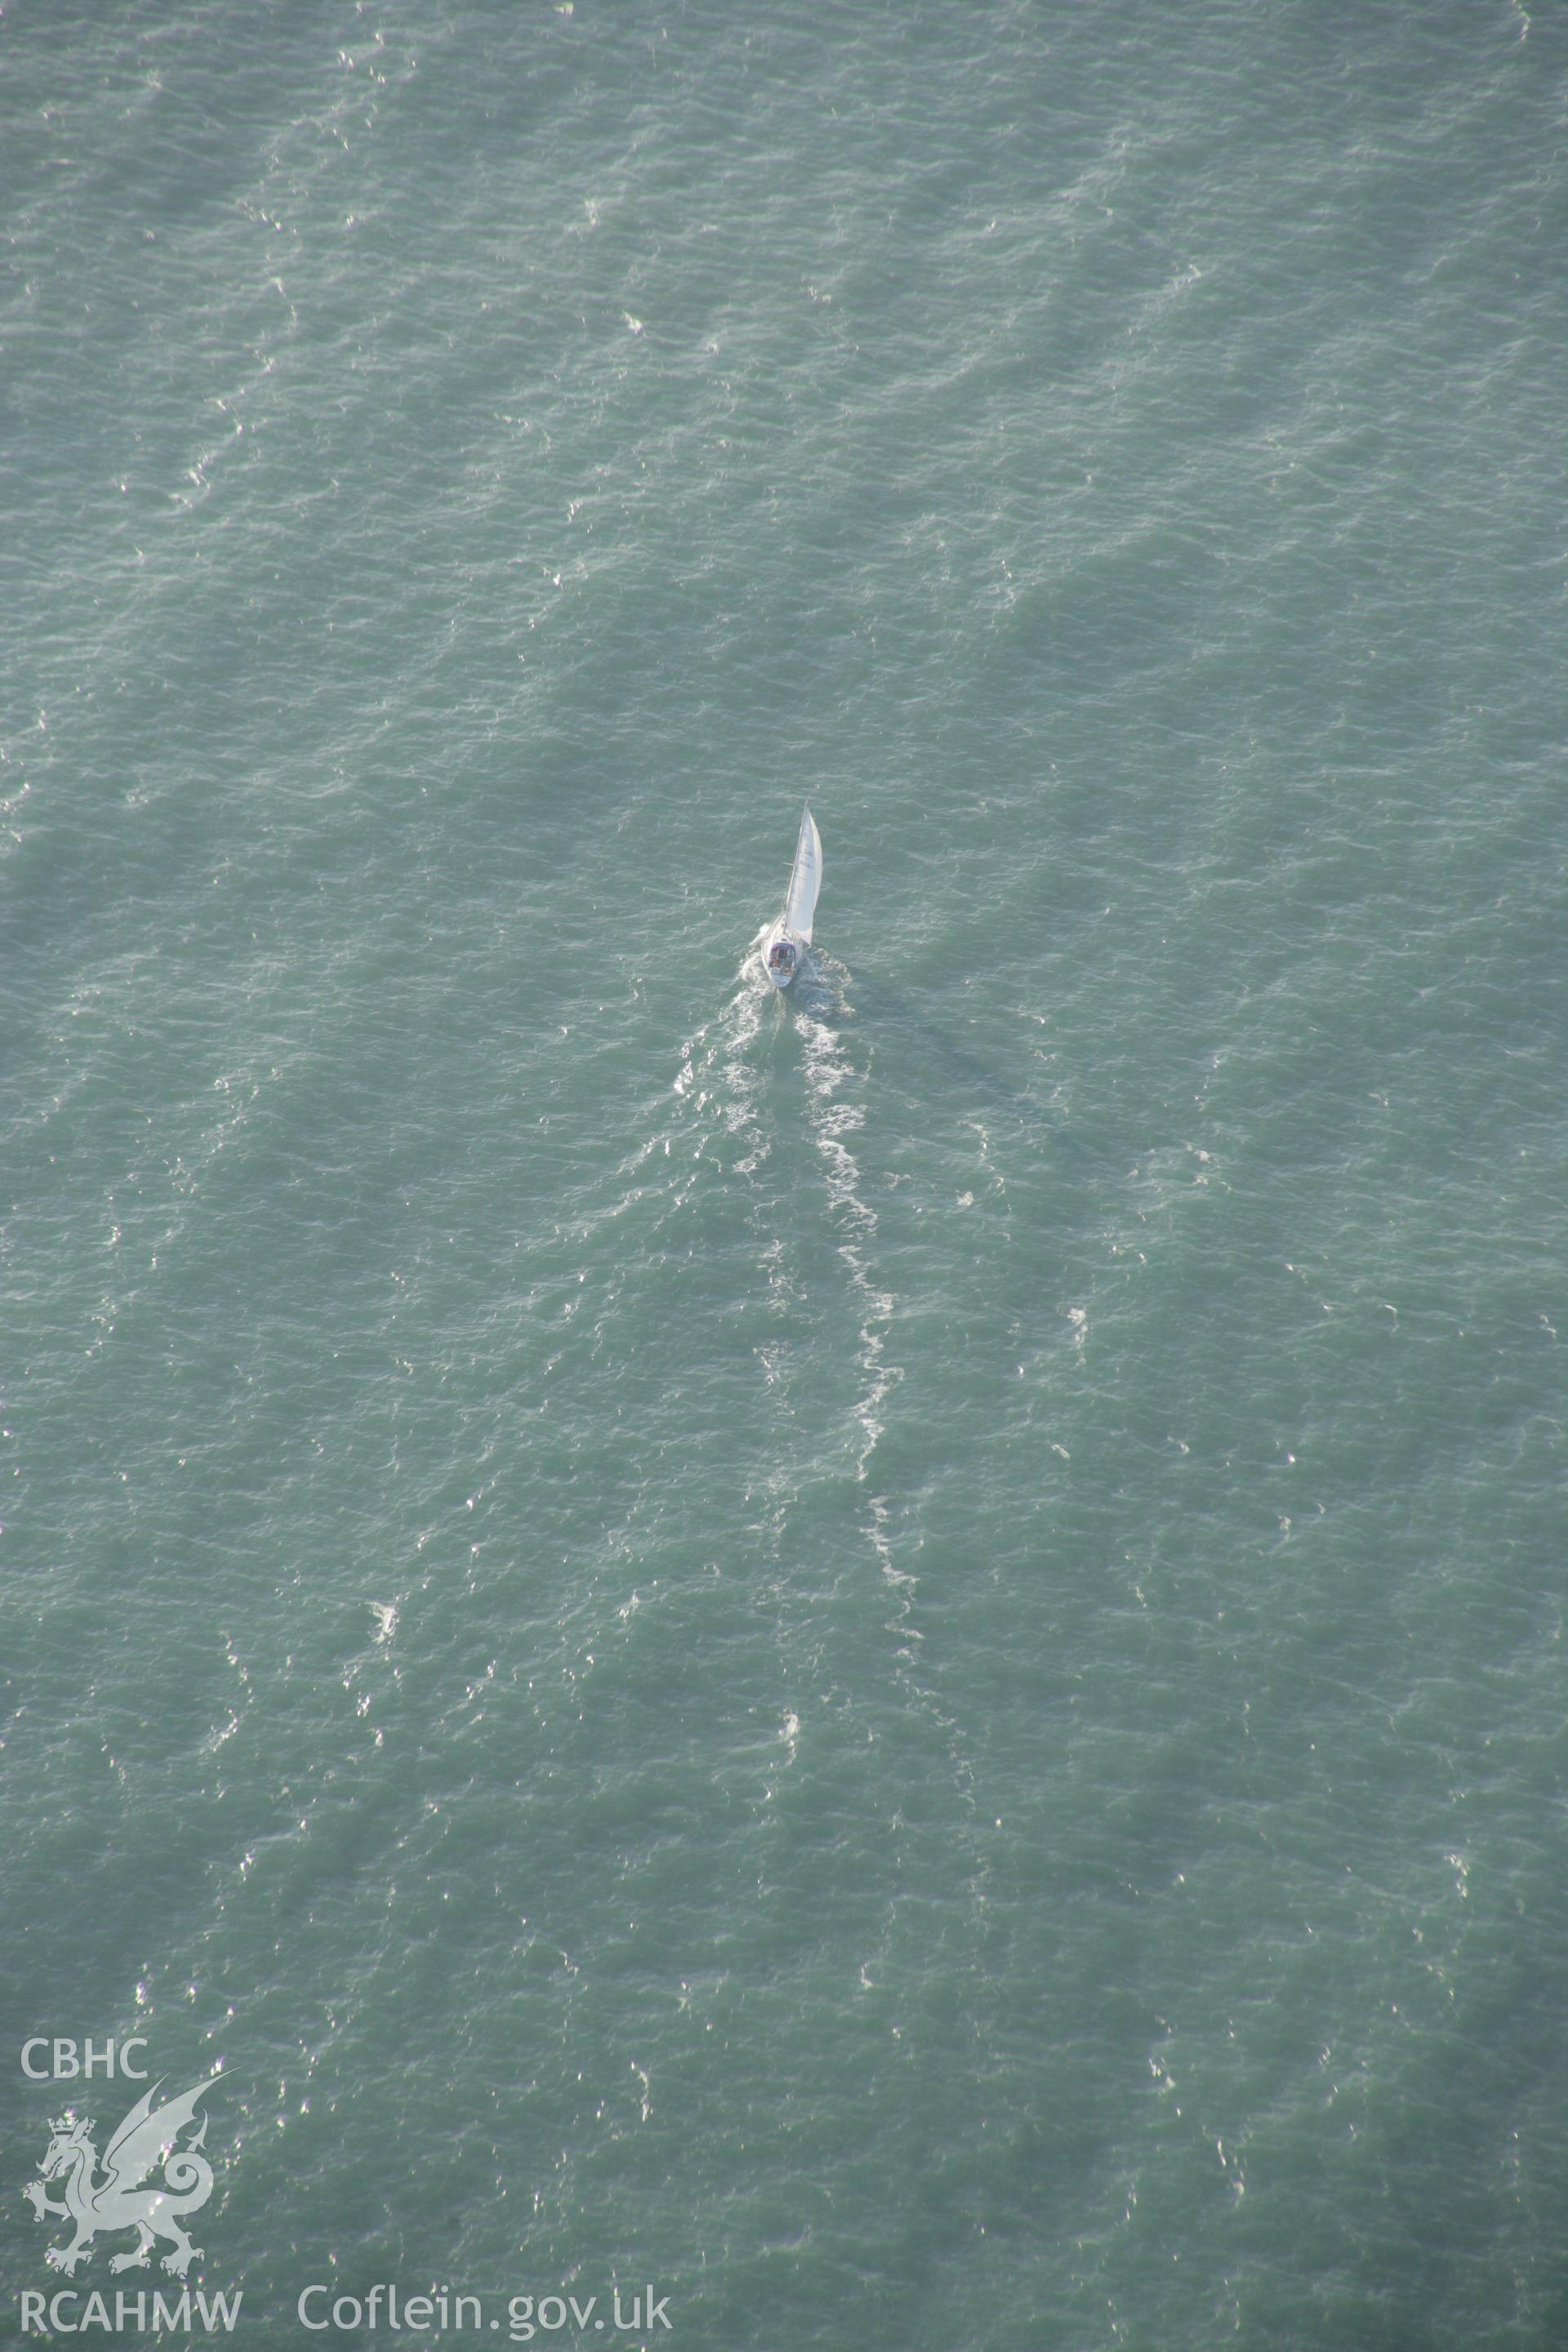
(779, 977)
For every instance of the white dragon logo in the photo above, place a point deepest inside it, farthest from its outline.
(117, 2200)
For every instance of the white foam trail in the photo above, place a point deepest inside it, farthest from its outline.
(833, 1123)
(716, 1089)
(729, 1085)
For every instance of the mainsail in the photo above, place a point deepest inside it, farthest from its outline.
(805, 881)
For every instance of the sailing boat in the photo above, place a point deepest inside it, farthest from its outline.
(791, 935)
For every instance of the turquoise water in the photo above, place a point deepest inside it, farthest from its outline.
(893, 1661)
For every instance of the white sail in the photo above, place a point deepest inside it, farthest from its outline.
(805, 881)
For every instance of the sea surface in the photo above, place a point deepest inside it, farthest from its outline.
(887, 1665)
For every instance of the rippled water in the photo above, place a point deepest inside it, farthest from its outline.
(890, 1658)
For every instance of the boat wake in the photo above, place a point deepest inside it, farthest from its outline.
(836, 1118)
(732, 1089)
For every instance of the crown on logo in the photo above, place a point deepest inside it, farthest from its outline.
(71, 2125)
